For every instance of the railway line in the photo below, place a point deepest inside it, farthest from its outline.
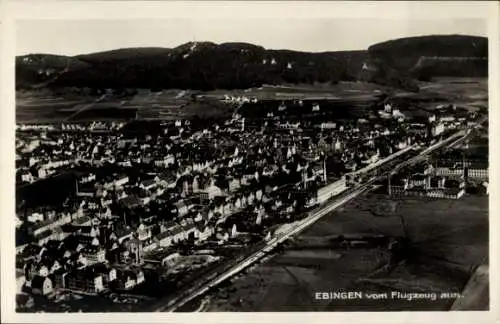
(373, 175)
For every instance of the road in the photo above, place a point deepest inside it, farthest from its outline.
(87, 106)
(271, 245)
(298, 227)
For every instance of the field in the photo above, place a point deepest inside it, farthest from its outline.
(47, 106)
(36, 106)
(340, 91)
(449, 245)
(470, 93)
(44, 106)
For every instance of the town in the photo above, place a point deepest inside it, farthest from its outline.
(134, 211)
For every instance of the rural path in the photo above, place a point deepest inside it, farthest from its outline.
(87, 106)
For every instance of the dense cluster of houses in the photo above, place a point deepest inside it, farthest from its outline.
(138, 196)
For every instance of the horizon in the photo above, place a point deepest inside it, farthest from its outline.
(80, 37)
(234, 42)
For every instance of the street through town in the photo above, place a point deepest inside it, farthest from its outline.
(299, 226)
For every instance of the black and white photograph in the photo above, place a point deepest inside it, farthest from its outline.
(251, 164)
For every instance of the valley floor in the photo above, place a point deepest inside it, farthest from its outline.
(450, 245)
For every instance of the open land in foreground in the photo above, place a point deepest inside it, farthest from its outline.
(47, 106)
(449, 245)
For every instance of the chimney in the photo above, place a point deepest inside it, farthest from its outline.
(389, 187)
(304, 177)
(324, 169)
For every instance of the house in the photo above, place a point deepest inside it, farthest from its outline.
(227, 208)
(444, 171)
(328, 125)
(447, 118)
(58, 234)
(53, 266)
(77, 258)
(26, 176)
(119, 255)
(204, 232)
(397, 114)
(164, 239)
(204, 199)
(36, 217)
(177, 234)
(129, 278)
(85, 240)
(437, 182)
(42, 270)
(166, 180)
(139, 275)
(181, 207)
(149, 244)
(136, 249)
(454, 183)
(418, 180)
(371, 156)
(94, 254)
(196, 184)
(186, 221)
(222, 236)
(41, 286)
(234, 184)
(437, 129)
(143, 232)
(44, 237)
(190, 231)
(165, 161)
(91, 231)
(351, 165)
(148, 185)
(167, 226)
(106, 201)
(398, 184)
(85, 280)
(29, 270)
(213, 190)
(244, 201)
(165, 258)
(120, 181)
(42, 226)
(259, 210)
(478, 171)
(109, 274)
(90, 177)
(250, 198)
(145, 200)
(449, 193)
(82, 221)
(122, 234)
(130, 202)
(59, 279)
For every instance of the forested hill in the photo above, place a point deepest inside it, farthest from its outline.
(429, 56)
(206, 65)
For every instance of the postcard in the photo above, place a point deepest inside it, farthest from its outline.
(248, 161)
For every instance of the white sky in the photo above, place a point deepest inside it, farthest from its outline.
(71, 37)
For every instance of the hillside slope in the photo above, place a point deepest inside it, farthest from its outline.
(425, 57)
(208, 66)
(34, 69)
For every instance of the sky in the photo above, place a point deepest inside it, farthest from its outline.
(72, 37)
